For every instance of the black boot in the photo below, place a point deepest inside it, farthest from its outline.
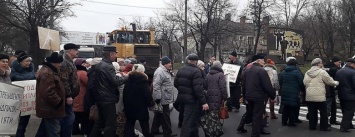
(240, 128)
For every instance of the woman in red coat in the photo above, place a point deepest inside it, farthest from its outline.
(81, 117)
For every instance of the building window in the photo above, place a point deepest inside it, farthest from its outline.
(250, 40)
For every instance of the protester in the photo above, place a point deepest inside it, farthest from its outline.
(235, 88)
(5, 70)
(315, 80)
(68, 74)
(136, 100)
(346, 78)
(106, 95)
(81, 117)
(14, 57)
(22, 69)
(163, 94)
(50, 97)
(121, 117)
(201, 66)
(189, 84)
(209, 64)
(271, 70)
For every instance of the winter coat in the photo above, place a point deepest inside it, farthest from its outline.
(189, 83)
(271, 71)
(83, 81)
(257, 84)
(239, 78)
(291, 83)
(19, 73)
(136, 96)
(215, 83)
(5, 76)
(315, 80)
(346, 78)
(163, 86)
(50, 93)
(89, 97)
(332, 70)
(69, 77)
(107, 82)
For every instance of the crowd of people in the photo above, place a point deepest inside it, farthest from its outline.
(70, 91)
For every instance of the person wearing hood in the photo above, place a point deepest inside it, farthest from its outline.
(215, 83)
(22, 69)
(5, 70)
(272, 72)
(291, 83)
(163, 94)
(346, 78)
(136, 100)
(81, 117)
(315, 80)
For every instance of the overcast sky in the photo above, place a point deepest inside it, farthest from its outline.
(104, 15)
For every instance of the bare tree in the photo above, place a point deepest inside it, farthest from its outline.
(347, 10)
(291, 10)
(27, 15)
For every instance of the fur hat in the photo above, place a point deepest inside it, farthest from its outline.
(23, 56)
(165, 60)
(217, 64)
(335, 59)
(71, 46)
(256, 57)
(316, 61)
(54, 58)
(289, 58)
(138, 67)
(234, 53)
(269, 61)
(18, 52)
(4, 56)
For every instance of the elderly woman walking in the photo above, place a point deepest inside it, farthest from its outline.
(315, 80)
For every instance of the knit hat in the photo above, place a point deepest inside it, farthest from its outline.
(200, 64)
(89, 60)
(95, 61)
(79, 61)
(4, 56)
(316, 61)
(54, 58)
(18, 52)
(138, 67)
(289, 58)
(269, 61)
(335, 59)
(234, 53)
(217, 64)
(256, 57)
(165, 60)
(23, 56)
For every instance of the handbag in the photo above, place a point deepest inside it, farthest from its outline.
(223, 112)
(211, 124)
(94, 113)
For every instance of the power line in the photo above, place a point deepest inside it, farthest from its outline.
(110, 13)
(122, 5)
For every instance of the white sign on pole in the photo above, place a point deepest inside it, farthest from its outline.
(232, 71)
(28, 102)
(83, 38)
(10, 97)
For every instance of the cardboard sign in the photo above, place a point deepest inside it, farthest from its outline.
(48, 39)
(28, 102)
(231, 71)
(10, 97)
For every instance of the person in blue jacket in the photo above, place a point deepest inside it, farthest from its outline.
(22, 69)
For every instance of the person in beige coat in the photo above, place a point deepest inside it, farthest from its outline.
(315, 80)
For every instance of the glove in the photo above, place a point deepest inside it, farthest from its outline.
(157, 101)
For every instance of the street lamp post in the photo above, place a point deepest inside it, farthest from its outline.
(185, 35)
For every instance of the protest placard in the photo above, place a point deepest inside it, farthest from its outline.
(231, 71)
(10, 97)
(28, 102)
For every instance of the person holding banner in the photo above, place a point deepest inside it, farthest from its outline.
(4, 69)
(22, 69)
(50, 97)
(235, 88)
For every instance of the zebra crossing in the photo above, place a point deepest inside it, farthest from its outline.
(304, 111)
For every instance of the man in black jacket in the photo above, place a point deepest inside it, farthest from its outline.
(332, 68)
(346, 88)
(107, 94)
(257, 87)
(235, 88)
(189, 83)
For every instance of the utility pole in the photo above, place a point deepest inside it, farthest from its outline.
(185, 34)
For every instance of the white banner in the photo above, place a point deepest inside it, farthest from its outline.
(10, 96)
(231, 71)
(83, 38)
(28, 102)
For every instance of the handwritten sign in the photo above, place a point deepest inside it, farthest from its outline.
(10, 97)
(28, 102)
(231, 71)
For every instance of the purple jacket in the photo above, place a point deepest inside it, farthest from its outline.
(215, 83)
